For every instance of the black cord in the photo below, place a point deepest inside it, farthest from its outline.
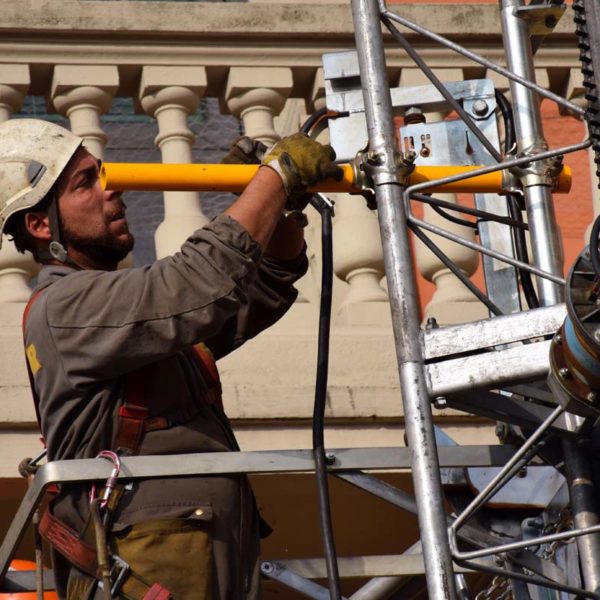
(449, 217)
(522, 254)
(321, 115)
(456, 270)
(510, 135)
(514, 208)
(325, 209)
(312, 120)
(481, 215)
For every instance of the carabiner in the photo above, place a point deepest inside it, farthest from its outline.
(111, 482)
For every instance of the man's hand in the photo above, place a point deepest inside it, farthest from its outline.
(245, 151)
(301, 163)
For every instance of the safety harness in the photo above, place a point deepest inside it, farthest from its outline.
(134, 421)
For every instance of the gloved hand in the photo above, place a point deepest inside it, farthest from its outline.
(245, 151)
(301, 163)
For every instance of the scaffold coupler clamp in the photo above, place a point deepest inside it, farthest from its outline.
(544, 172)
(369, 165)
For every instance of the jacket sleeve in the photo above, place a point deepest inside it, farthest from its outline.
(104, 324)
(270, 295)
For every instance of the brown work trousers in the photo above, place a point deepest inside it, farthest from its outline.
(176, 553)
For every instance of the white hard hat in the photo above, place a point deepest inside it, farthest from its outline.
(33, 154)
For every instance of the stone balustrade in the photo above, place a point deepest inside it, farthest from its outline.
(265, 69)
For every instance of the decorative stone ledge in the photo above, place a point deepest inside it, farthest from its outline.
(274, 20)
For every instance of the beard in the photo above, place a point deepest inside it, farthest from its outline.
(105, 249)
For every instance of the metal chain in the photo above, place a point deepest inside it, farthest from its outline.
(499, 588)
(563, 522)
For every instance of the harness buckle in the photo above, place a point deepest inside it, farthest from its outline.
(119, 571)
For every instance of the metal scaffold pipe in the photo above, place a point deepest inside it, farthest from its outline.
(403, 301)
(234, 178)
(545, 242)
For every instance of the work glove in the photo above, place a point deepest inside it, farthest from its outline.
(301, 163)
(245, 151)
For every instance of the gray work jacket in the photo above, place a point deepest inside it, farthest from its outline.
(88, 329)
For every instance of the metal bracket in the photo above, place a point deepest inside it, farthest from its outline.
(541, 18)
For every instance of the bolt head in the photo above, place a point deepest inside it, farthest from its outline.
(440, 402)
(564, 373)
(431, 323)
(480, 107)
(330, 458)
(266, 567)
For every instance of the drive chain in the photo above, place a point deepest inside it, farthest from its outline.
(587, 22)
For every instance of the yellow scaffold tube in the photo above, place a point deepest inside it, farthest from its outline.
(234, 178)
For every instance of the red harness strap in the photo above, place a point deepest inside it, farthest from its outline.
(68, 543)
(134, 419)
(210, 373)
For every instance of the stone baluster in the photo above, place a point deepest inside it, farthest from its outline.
(170, 95)
(83, 93)
(357, 249)
(256, 95)
(15, 269)
(451, 301)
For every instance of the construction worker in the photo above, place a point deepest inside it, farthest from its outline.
(122, 360)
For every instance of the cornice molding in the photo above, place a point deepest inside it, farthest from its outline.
(131, 19)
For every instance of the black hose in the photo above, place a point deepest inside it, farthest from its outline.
(510, 134)
(325, 209)
(522, 254)
(462, 222)
(313, 119)
(514, 209)
(481, 215)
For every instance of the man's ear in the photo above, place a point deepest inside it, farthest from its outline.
(38, 225)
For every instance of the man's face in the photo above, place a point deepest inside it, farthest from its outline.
(94, 230)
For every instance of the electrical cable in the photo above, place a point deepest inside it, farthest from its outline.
(514, 209)
(324, 207)
(312, 120)
(320, 115)
(521, 250)
(458, 221)
(456, 270)
(481, 215)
